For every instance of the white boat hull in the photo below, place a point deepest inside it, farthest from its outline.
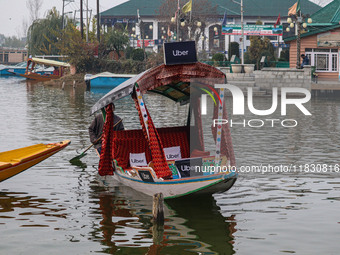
(177, 187)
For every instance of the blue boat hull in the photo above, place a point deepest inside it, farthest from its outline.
(107, 82)
(102, 85)
(13, 71)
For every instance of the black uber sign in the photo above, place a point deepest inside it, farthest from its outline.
(145, 176)
(187, 167)
(180, 53)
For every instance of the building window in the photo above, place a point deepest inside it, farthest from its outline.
(321, 62)
(324, 60)
(334, 62)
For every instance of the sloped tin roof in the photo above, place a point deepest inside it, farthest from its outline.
(328, 14)
(255, 8)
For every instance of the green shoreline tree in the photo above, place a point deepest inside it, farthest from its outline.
(259, 46)
(43, 34)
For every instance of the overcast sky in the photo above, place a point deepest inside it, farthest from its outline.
(14, 12)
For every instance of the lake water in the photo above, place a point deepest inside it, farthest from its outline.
(59, 208)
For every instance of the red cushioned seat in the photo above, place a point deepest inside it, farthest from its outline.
(133, 141)
(176, 136)
(129, 141)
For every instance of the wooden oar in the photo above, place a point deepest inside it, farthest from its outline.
(83, 153)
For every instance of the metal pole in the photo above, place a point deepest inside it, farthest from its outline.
(242, 29)
(229, 47)
(298, 41)
(278, 47)
(203, 36)
(192, 3)
(81, 20)
(87, 21)
(143, 35)
(62, 17)
(177, 23)
(98, 20)
(189, 28)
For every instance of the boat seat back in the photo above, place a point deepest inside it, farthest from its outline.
(129, 141)
(176, 136)
(133, 141)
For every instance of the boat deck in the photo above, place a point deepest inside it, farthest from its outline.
(19, 155)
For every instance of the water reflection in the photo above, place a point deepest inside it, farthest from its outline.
(196, 219)
(77, 162)
(28, 206)
(121, 222)
(125, 225)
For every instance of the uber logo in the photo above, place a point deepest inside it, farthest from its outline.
(179, 53)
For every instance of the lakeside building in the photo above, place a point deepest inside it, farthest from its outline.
(10, 56)
(321, 42)
(156, 27)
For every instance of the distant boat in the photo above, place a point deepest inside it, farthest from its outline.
(15, 161)
(19, 69)
(11, 70)
(104, 82)
(33, 73)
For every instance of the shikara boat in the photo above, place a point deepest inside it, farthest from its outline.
(170, 160)
(11, 70)
(15, 161)
(33, 74)
(105, 81)
(20, 68)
